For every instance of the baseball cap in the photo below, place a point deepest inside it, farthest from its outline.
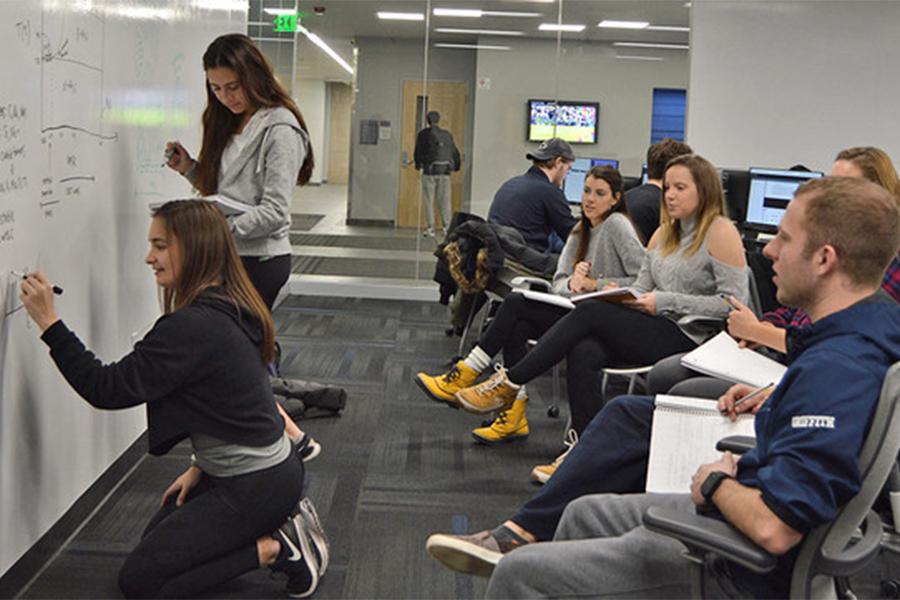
(551, 149)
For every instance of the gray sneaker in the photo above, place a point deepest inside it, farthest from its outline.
(307, 513)
(475, 554)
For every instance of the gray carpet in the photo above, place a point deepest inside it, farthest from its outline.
(394, 468)
(363, 267)
(304, 221)
(375, 242)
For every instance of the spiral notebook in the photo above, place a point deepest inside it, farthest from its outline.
(684, 436)
(721, 357)
(614, 295)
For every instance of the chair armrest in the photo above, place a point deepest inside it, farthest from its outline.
(701, 322)
(852, 559)
(709, 534)
(736, 444)
(531, 283)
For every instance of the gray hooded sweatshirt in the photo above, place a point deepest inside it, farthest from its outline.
(263, 176)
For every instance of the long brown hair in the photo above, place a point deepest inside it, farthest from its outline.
(876, 166)
(209, 258)
(711, 204)
(583, 228)
(237, 52)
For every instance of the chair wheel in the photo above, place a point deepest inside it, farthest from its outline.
(553, 412)
(890, 588)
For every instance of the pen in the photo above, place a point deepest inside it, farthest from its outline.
(56, 289)
(170, 152)
(728, 301)
(755, 392)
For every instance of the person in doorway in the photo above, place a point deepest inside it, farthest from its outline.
(436, 156)
(201, 372)
(534, 203)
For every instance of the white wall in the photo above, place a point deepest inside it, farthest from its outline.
(777, 83)
(312, 101)
(624, 89)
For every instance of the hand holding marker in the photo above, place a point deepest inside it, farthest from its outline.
(56, 289)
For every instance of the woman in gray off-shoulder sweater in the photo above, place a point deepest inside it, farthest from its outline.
(603, 247)
(694, 256)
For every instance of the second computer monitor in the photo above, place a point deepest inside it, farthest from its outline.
(770, 192)
(574, 182)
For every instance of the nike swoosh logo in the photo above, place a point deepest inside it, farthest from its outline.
(295, 553)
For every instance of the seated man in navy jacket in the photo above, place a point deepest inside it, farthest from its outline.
(534, 203)
(837, 237)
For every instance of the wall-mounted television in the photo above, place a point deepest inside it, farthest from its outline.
(575, 122)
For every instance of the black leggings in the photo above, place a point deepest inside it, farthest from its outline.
(212, 537)
(517, 321)
(268, 275)
(595, 335)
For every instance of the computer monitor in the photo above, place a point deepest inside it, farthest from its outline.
(574, 182)
(770, 192)
(736, 185)
(644, 175)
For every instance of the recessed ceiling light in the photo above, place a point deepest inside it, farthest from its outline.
(457, 12)
(623, 24)
(667, 28)
(649, 45)
(279, 11)
(478, 31)
(400, 16)
(561, 27)
(628, 57)
(472, 47)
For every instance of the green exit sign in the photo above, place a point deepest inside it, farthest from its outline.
(285, 23)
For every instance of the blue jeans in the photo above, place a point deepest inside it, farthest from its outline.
(610, 458)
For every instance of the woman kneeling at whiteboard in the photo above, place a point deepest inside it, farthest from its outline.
(201, 371)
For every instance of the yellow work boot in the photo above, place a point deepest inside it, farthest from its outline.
(509, 426)
(493, 395)
(443, 388)
(541, 473)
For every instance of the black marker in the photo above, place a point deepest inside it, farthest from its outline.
(169, 153)
(56, 289)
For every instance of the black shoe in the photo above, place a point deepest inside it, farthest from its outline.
(296, 559)
(307, 448)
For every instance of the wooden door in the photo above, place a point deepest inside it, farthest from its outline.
(449, 99)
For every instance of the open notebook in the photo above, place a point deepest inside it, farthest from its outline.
(721, 357)
(614, 295)
(684, 435)
(228, 206)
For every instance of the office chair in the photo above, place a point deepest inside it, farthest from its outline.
(829, 553)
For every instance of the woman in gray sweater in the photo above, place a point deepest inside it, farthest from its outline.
(255, 150)
(603, 248)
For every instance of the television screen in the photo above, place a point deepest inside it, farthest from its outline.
(574, 182)
(575, 122)
(770, 192)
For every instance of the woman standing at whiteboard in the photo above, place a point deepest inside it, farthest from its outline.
(201, 372)
(255, 150)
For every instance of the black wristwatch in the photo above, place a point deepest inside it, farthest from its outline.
(711, 484)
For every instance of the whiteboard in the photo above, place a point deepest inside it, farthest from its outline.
(90, 92)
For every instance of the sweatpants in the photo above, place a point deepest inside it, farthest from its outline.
(595, 335)
(601, 550)
(212, 537)
(268, 275)
(610, 457)
(436, 187)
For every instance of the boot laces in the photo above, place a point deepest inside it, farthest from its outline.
(453, 374)
(498, 379)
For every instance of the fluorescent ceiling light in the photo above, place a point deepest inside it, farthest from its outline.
(400, 16)
(561, 27)
(325, 48)
(623, 24)
(457, 12)
(649, 45)
(280, 11)
(667, 28)
(506, 13)
(472, 46)
(627, 57)
(478, 31)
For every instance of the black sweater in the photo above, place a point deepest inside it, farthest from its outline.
(198, 370)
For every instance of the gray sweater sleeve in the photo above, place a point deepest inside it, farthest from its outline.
(644, 281)
(627, 247)
(284, 153)
(565, 266)
(731, 281)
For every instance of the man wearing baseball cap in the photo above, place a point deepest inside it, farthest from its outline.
(534, 203)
